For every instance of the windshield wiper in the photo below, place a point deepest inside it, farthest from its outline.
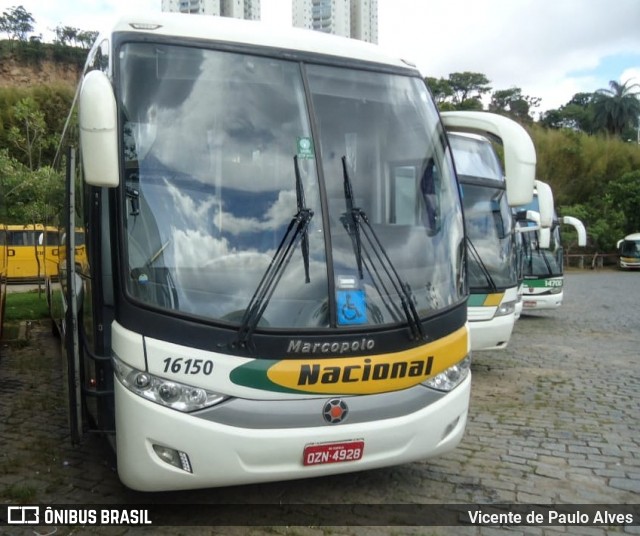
(296, 232)
(363, 238)
(481, 264)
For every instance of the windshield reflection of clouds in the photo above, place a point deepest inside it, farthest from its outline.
(212, 136)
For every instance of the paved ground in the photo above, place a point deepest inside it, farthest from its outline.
(554, 419)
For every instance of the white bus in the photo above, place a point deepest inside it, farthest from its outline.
(629, 251)
(543, 263)
(491, 239)
(274, 284)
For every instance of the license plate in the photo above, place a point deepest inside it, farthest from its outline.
(529, 303)
(346, 451)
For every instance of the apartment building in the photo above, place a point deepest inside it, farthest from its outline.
(238, 9)
(357, 19)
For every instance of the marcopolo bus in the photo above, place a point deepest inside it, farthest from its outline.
(274, 284)
(543, 265)
(491, 239)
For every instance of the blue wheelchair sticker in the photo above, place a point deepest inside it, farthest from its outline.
(352, 307)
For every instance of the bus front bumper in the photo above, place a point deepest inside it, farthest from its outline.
(491, 334)
(541, 301)
(223, 455)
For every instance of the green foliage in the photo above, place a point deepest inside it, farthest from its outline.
(27, 192)
(595, 179)
(22, 109)
(614, 111)
(603, 221)
(616, 108)
(512, 103)
(28, 133)
(69, 36)
(461, 91)
(625, 195)
(17, 23)
(577, 114)
(26, 306)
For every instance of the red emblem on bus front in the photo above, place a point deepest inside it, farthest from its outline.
(335, 411)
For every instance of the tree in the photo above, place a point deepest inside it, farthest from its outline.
(440, 88)
(28, 192)
(17, 23)
(87, 38)
(461, 91)
(616, 108)
(66, 35)
(577, 114)
(29, 135)
(513, 103)
(625, 195)
(468, 86)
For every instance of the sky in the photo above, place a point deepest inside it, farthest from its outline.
(551, 49)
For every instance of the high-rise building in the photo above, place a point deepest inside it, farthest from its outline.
(238, 9)
(329, 16)
(350, 18)
(364, 20)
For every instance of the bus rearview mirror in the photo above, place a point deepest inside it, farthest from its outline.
(98, 131)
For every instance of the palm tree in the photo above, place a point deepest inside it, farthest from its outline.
(617, 108)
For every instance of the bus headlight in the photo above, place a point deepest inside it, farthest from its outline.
(169, 393)
(452, 377)
(506, 308)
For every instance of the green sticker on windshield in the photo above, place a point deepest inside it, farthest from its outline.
(305, 147)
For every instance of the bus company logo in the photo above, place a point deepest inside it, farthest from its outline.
(335, 411)
(367, 371)
(341, 375)
(297, 346)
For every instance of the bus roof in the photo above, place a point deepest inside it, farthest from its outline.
(208, 27)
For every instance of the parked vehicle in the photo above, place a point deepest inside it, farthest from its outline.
(629, 251)
(493, 267)
(28, 247)
(274, 284)
(543, 265)
(4, 262)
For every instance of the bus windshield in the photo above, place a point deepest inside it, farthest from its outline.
(630, 248)
(489, 228)
(492, 253)
(218, 147)
(538, 262)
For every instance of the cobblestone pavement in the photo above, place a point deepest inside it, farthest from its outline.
(554, 419)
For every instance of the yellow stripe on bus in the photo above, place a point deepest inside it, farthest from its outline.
(371, 374)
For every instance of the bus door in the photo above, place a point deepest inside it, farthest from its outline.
(70, 283)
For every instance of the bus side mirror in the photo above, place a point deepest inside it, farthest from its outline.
(579, 227)
(545, 203)
(527, 218)
(98, 119)
(544, 238)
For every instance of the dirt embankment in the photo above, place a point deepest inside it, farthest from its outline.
(14, 73)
